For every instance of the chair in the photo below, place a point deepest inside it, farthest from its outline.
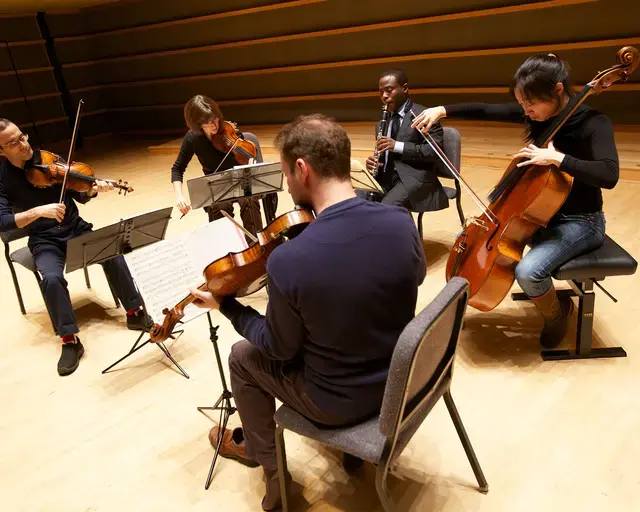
(269, 201)
(452, 144)
(582, 273)
(24, 258)
(420, 374)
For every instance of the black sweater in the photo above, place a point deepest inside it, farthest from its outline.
(586, 139)
(340, 294)
(18, 195)
(208, 156)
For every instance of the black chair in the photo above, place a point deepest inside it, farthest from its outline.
(420, 374)
(24, 258)
(269, 201)
(452, 147)
(582, 273)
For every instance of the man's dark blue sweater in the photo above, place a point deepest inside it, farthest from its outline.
(340, 294)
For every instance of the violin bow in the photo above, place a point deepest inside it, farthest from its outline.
(447, 163)
(71, 148)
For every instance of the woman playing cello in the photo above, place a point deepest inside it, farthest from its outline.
(583, 148)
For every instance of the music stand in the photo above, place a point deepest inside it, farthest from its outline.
(362, 180)
(241, 182)
(116, 240)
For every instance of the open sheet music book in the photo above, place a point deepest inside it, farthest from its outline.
(164, 271)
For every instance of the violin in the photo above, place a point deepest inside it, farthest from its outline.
(229, 138)
(80, 176)
(238, 274)
(525, 199)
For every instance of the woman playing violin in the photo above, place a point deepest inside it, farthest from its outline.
(204, 119)
(584, 148)
(50, 225)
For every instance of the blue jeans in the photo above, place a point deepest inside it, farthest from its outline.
(566, 237)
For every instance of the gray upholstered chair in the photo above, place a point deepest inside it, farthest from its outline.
(452, 146)
(24, 258)
(420, 374)
(269, 201)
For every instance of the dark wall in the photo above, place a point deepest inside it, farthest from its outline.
(137, 62)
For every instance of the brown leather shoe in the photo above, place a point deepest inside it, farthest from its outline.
(233, 446)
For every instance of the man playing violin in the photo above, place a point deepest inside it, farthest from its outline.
(409, 176)
(50, 224)
(340, 293)
(204, 117)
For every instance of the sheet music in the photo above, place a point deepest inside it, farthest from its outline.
(166, 270)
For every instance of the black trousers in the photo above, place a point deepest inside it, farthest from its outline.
(256, 382)
(50, 257)
(249, 213)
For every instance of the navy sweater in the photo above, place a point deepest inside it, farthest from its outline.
(18, 195)
(340, 294)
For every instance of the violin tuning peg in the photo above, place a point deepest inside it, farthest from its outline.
(180, 322)
(172, 336)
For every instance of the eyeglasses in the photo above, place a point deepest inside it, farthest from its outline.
(23, 138)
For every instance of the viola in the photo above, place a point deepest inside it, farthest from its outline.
(80, 176)
(525, 199)
(238, 274)
(229, 138)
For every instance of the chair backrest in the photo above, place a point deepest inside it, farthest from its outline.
(422, 363)
(14, 234)
(251, 137)
(452, 146)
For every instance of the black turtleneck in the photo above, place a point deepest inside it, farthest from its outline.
(586, 139)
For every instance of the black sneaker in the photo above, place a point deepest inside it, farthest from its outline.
(70, 357)
(140, 321)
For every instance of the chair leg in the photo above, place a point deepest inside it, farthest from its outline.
(466, 443)
(420, 225)
(16, 285)
(282, 468)
(381, 487)
(53, 324)
(459, 204)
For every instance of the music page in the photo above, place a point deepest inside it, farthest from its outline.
(166, 270)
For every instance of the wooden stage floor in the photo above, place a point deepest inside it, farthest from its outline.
(552, 436)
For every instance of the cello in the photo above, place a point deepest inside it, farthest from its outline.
(238, 274)
(525, 199)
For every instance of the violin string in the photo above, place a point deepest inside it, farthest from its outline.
(445, 160)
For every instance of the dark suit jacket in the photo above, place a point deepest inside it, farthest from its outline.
(417, 164)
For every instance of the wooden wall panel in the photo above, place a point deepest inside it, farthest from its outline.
(135, 63)
(318, 15)
(19, 28)
(41, 108)
(39, 81)
(32, 54)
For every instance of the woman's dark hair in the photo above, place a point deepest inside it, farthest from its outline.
(536, 79)
(200, 110)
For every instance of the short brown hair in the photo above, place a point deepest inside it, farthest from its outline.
(320, 141)
(4, 124)
(200, 110)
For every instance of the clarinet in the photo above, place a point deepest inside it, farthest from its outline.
(384, 124)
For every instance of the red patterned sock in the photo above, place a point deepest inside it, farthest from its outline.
(133, 311)
(69, 338)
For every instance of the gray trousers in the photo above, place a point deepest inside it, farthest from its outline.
(256, 381)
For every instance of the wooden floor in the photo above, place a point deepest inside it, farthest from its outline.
(555, 436)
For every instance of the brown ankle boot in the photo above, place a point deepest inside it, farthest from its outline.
(556, 315)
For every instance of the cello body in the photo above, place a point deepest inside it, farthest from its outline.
(487, 258)
(490, 247)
